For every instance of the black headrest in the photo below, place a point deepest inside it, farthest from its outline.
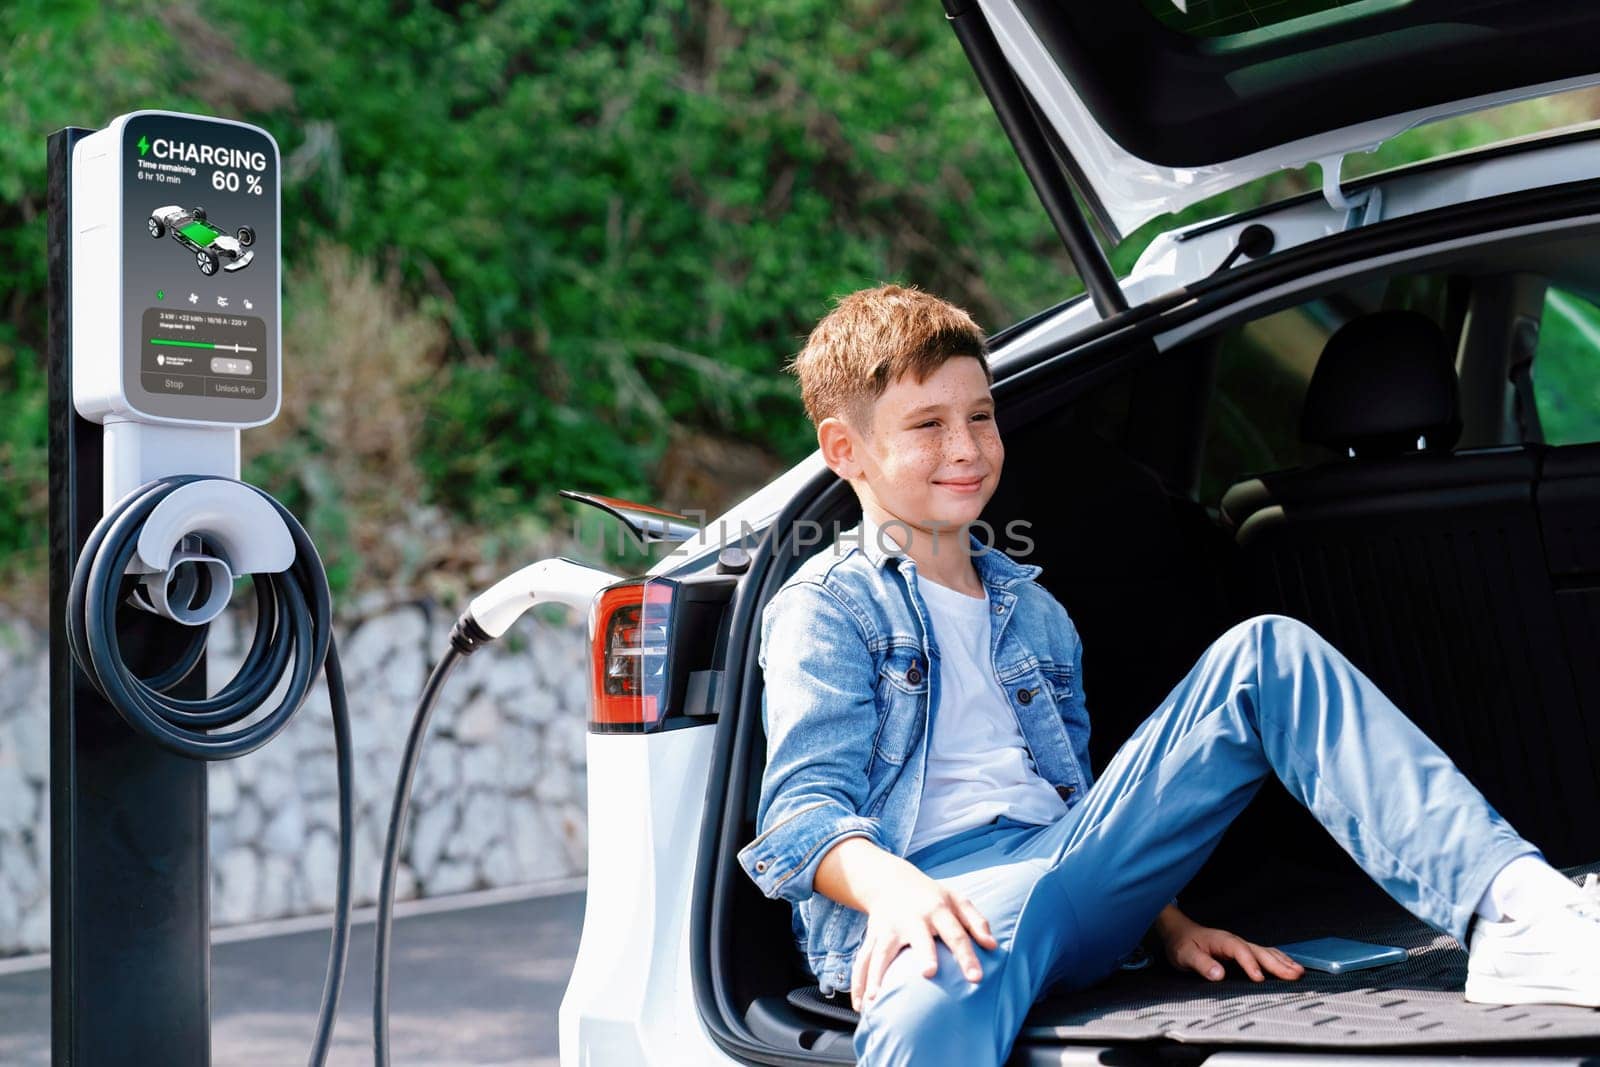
(1384, 380)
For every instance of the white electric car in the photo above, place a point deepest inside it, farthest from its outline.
(1180, 472)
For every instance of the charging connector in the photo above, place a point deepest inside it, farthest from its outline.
(489, 615)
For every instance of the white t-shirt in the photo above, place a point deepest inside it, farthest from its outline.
(979, 767)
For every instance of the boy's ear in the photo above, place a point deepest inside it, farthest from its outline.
(838, 444)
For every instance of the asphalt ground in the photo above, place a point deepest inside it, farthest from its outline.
(472, 983)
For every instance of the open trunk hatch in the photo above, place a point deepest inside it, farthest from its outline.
(1161, 104)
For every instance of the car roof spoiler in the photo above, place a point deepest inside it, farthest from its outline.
(649, 525)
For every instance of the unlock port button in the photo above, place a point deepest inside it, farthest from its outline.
(235, 390)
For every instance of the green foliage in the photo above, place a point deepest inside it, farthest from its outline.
(23, 460)
(68, 63)
(634, 212)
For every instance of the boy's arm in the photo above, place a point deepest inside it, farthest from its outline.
(820, 710)
(1080, 707)
(858, 874)
(1076, 713)
(821, 715)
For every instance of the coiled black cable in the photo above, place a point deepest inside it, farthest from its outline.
(293, 622)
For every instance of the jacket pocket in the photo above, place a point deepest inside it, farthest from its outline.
(1059, 677)
(1063, 690)
(902, 698)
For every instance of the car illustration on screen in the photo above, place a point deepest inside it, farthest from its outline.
(212, 248)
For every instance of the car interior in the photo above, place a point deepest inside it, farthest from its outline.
(1410, 465)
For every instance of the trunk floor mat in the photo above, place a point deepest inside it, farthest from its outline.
(1417, 1001)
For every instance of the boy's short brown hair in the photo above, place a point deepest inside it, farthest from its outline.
(871, 338)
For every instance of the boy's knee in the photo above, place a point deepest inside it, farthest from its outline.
(1243, 638)
(933, 1021)
(1272, 642)
(1271, 628)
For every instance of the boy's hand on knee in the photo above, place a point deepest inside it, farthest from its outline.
(1192, 947)
(909, 910)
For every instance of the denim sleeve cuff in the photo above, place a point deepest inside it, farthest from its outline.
(783, 861)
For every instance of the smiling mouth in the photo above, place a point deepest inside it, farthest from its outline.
(969, 484)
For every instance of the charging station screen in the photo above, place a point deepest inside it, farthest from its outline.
(200, 268)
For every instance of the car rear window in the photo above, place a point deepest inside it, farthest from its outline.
(1263, 370)
(1566, 387)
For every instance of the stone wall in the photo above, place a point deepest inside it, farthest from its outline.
(498, 799)
(24, 801)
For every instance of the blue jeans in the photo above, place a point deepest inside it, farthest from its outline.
(1068, 900)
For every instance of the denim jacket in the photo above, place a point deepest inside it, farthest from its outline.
(851, 684)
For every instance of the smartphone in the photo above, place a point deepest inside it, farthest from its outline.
(1336, 955)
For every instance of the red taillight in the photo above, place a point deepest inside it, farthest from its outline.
(628, 648)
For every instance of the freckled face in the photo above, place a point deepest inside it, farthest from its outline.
(934, 454)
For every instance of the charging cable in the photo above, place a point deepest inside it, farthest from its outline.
(293, 622)
(490, 614)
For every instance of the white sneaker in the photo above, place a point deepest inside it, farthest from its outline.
(1552, 957)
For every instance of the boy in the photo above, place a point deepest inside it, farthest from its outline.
(928, 805)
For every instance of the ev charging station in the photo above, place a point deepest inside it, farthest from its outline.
(164, 343)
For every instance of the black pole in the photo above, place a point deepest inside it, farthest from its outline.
(129, 897)
(1022, 126)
